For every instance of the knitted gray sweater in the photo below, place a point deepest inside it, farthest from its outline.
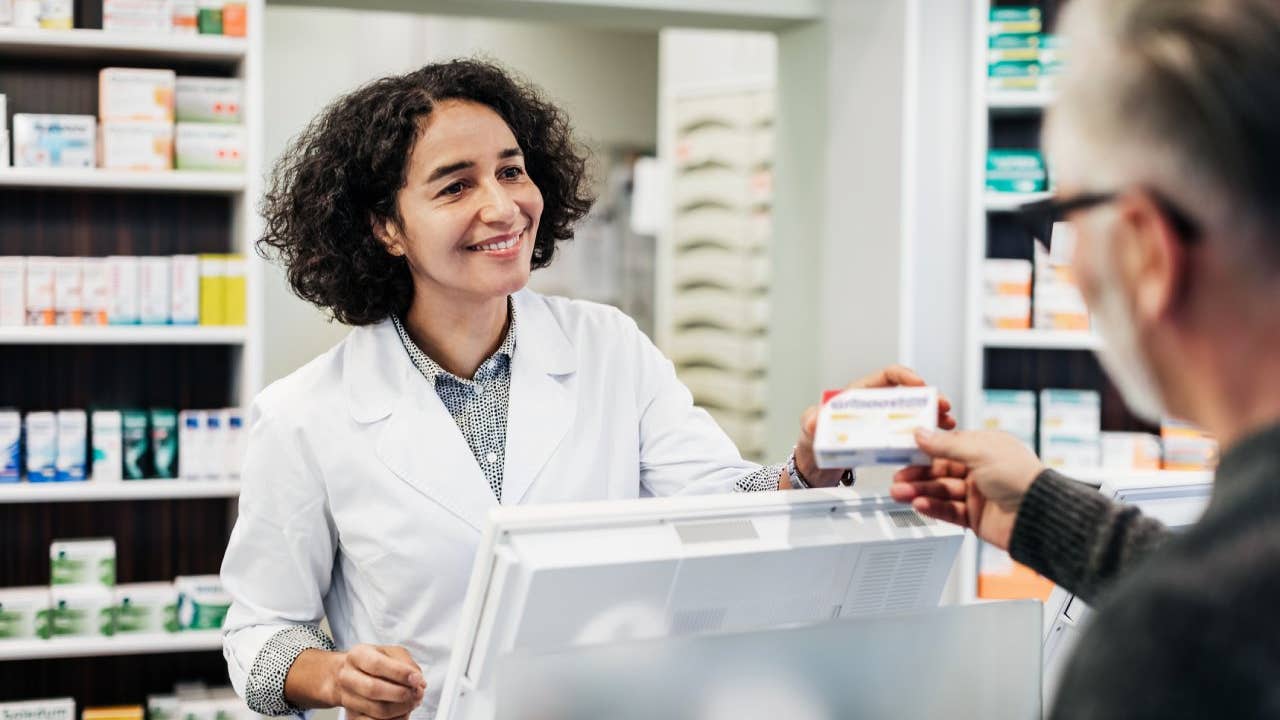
(1187, 626)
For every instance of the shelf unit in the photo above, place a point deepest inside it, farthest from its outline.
(148, 644)
(92, 491)
(174, 181)
(163, 528)
(124, 335)
(1026, 359)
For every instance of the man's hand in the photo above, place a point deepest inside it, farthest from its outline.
(977, 480)
(892, 376)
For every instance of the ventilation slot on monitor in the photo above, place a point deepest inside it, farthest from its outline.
(693, 622)
(908, 519)
(890, 579)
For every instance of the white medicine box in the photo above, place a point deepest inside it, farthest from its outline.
(877, 426)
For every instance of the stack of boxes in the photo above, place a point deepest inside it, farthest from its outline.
(1070, 428)
(1006, 302)
(1020, 56)
(1058, 302)
(83, 599)
(1187, 447)
(126, 445)
(1011, 411)
(123, 290)
(182, 17)
(148, 120)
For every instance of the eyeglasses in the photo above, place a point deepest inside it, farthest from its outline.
(1040, 216)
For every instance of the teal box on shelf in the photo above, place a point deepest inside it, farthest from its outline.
(1016, 171)
(1015, 21)
(1014, 75)
(1014, 48)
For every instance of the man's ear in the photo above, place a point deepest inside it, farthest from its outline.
(1152, 258)
(388, 233)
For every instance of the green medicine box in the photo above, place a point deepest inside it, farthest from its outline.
(1020, 75)
(1016, 171)
(1014, 48)
(1015, 21)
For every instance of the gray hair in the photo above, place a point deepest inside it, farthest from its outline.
(1182, 96)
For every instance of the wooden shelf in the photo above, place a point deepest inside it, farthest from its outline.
(188, 641)
(1008, 202)
(122, 335)
(1019, 102)
(93, 491)
(118, 45)
(173, 181)
(1041, 339)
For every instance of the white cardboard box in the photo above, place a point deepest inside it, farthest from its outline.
(135, 95)
(137, 146)
(13, 290)
(61, 141)
(874, 426)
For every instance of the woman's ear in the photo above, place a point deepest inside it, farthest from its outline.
(388, 234)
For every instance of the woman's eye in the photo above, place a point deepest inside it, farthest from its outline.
(512, 173)
(453, 189)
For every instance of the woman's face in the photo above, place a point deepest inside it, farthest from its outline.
(469, 210)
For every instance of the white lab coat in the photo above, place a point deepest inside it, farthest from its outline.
(362, 502)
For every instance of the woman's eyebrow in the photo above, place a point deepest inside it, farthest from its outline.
(451, 168)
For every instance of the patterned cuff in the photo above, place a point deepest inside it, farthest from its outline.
(798, 481)
(766, 478)
(264, 689)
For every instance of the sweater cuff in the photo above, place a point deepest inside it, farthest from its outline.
(1056, 525)
(265, 687)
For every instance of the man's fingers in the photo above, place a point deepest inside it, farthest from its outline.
(809, 423)
(948, 445)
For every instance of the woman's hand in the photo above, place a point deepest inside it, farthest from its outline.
(892, 376)
(379, 682)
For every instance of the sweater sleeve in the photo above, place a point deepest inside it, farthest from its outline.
(1078, 539)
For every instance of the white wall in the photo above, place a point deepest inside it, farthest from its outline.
(605, 79)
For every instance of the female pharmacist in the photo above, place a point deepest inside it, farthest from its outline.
(414, 210)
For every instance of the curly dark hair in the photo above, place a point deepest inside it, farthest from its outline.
(344, 170)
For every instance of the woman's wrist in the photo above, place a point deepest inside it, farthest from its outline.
(312, 681)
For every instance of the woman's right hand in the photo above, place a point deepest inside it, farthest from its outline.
(378, 682)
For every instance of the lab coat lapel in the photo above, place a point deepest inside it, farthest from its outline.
(420, 442)
(543, 395)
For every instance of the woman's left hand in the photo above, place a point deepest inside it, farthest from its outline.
(892, 376)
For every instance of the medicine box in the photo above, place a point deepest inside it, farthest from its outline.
(97, 291)
(54, 709)
(10, 446)
(149, 16)
(108, 446)
(1010, 411)
(209, 146)
(136, 442)
(68, 291)
(39, 288)
(123, 272)
(54, 141)
(13, 291)
(84, 562)
(202, 602)
(155, 274)
(184, 305)
(73, 436)
(81, 611)
(164, 442)
(135, 95)
(146, 608)
(1187, 447)
(1013, 48)
(40, 431)
(859, 427)
(1023, 75)
(209, 100)
(1011, 20)
(1016, 171)
(143, 146)
(23, 613)
(1131, 451)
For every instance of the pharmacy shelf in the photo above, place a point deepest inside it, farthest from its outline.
(91, 491)
(122, 335)
(1041, 339)
(187, 182)
(1097, 476)
(1018, 102)
(188, 641)
(1008, 202)
(108, 46)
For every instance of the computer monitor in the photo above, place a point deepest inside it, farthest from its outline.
(551, 577)
(1176, 499)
